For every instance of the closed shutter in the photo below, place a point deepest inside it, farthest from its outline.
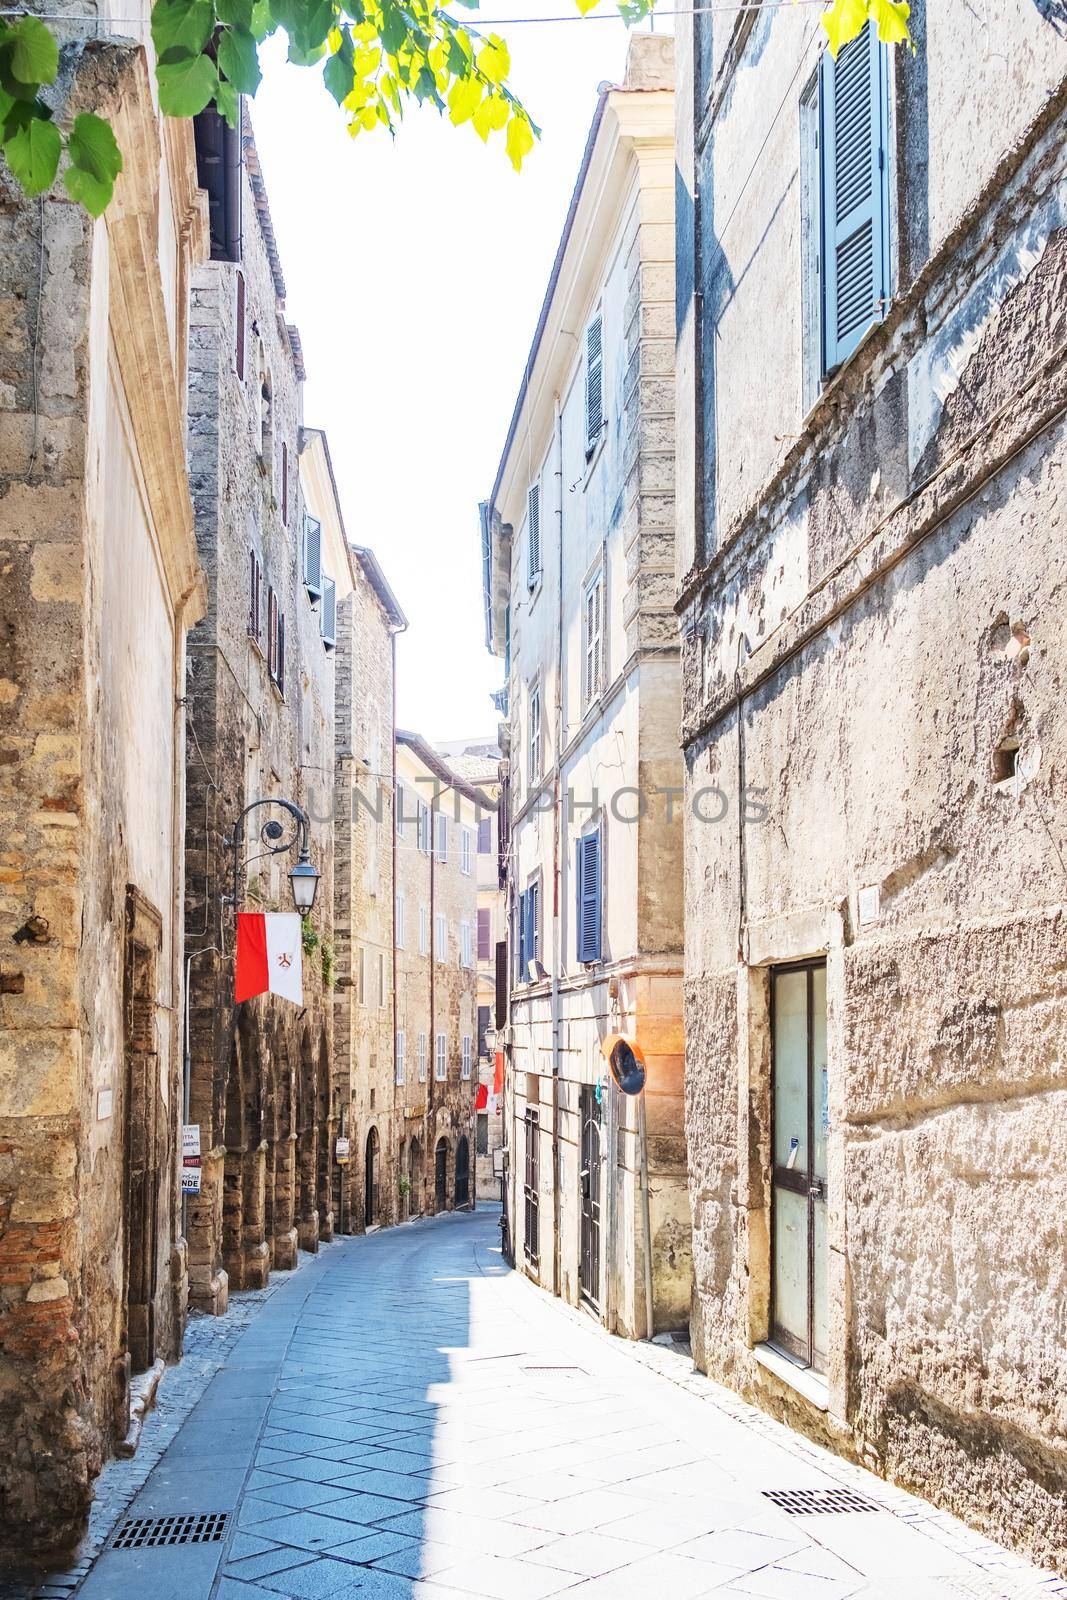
(329, 613)
(483, 1025)
(854, 98)
(285, 484)
(241, 320)
(588, 899)
(533, 533)
(313, 557)
(500, 997)
(272, 632)
(485, 836)
(594, 383)
(529, 933)
(483, 933)
(280, 674)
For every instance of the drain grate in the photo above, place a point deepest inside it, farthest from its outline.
(194, 1527)
(815, 1502)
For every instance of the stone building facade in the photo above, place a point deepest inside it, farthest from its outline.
(478, 761)
(436, 986)
(260, 692)
(369, 619)
(578, 563)
(872, 386)
(99, 584)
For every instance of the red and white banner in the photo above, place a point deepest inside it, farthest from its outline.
(269, 955)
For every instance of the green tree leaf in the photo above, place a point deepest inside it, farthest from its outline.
(32, 152)
(238, 13)
(239, 59)
(519, 140)
(182, 25)
(32, 52)
(186, 83)
(95, 163)
(493, 59)
(339, 77)
(227, 103)
(891, 20)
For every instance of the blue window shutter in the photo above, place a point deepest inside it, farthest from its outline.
(854, 135)
(589, 897)
(533, 533)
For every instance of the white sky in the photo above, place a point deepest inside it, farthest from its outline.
(415, 270)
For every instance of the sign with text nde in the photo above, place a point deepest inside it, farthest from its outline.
(191, 1158)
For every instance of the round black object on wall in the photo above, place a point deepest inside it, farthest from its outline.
(627, 1065)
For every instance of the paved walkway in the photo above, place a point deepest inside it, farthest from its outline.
(405, 1418)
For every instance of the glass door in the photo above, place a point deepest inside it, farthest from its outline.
(800, 1117)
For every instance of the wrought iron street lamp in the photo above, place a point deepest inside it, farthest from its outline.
(303, 878)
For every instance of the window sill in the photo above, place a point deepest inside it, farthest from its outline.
(811, 1385)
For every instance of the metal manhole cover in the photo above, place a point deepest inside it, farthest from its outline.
(815, 1502)
(194, 1527)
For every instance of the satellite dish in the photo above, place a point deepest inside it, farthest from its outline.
(627, 1062)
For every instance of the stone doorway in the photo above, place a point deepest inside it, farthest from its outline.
(141, 1114)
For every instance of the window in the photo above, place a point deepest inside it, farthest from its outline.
(485, 932)
(440, 936)
(440, 1067)
(531, 1189)
(466, 1067)
(313, 557)
(587, 910)
(381, 979)
(594, 383)
(854, 194)
(328, 617)
(275, 640)
(593, 627)
(485, 836)
(440, 824)
(361, 985)
(483, 1028)
(465, 944)
(465, 852)
(400, 919)
(422, 1057)
(799, 1121)
(398, 811)
(481, 1134)
(240, 327)
(423, 817)
(533, 754)
(527, 936)
(285, 484)
(400, 1056)
(533, 534)
(255, 596)
(424, 929)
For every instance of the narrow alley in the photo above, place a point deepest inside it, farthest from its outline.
(405, 1416)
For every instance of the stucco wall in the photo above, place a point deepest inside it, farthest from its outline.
(881, 587)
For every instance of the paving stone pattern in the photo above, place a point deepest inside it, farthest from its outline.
(406, 1418)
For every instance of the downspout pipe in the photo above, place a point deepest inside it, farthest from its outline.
(393, 819)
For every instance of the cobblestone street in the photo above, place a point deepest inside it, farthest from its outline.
(403, 1417)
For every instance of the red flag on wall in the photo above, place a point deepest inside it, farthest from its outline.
(269, 955)
(481, 1099)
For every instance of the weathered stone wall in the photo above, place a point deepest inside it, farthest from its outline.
(98, 582)
(260, 1087)
(873, 611)
(364, 902)
(450, 1114)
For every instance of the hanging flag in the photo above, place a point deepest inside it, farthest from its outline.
(269, 955)
(498, 1073)
(481, 1099)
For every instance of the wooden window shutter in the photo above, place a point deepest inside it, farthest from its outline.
(285, 484)
(313, 557)
(533, 533)
(241, 318)
(854, 105)
(501, 988)
(272, 632)
(594, 383)
(329, 613)
(280, 673)
(588, 906)
(483, 933)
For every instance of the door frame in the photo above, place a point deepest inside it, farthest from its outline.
(590, 1116)
(788, 1178)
